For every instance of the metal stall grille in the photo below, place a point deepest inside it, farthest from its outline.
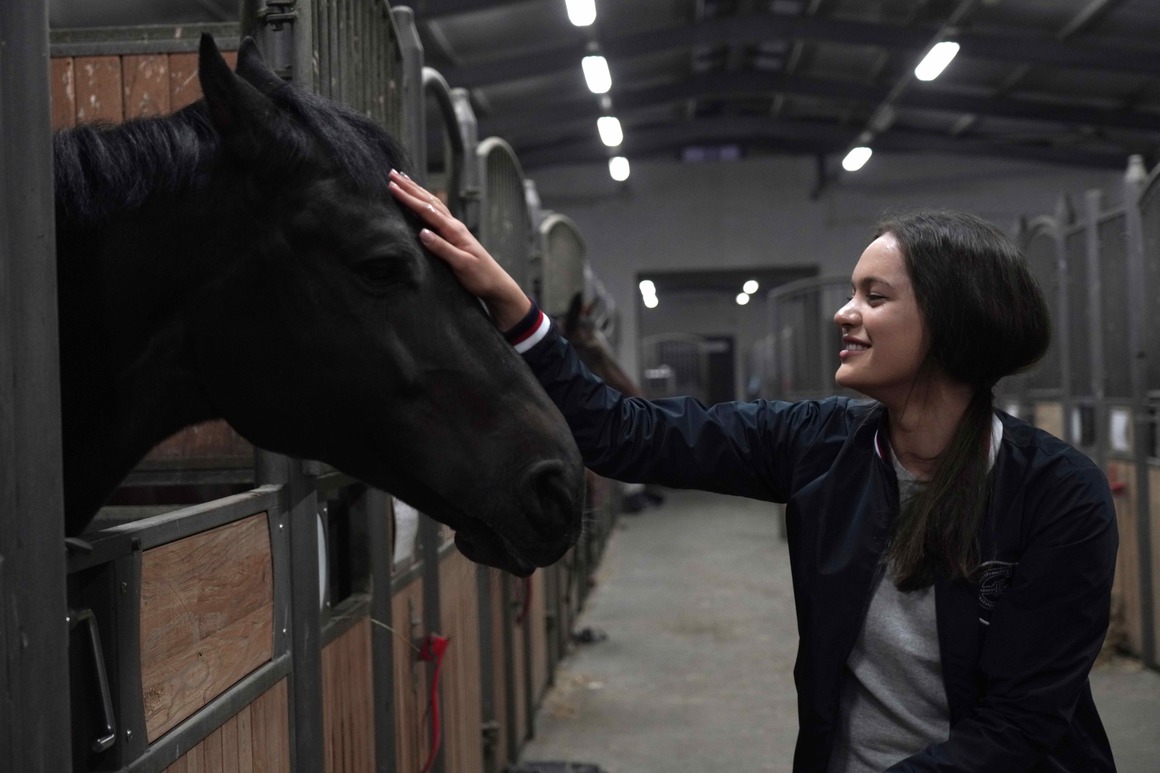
(564, 264)
(505, 224)
(675, 364)
(356, 59)
(805, 340)
(1043, 247)
(1080, 421)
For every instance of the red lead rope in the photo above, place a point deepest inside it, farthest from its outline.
(433, 649)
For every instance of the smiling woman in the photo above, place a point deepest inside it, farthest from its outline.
(952, 565)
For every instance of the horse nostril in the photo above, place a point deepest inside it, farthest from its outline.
(550, 493)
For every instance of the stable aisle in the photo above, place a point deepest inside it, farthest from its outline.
(696, 674)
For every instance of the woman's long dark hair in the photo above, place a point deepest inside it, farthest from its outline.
(985, 318)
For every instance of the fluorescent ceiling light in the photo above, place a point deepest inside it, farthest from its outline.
(856, 159)
(651, 301)
(936, 61)
(647, 287)
(742, 299)
(610, 132)
(750, 287)
(581, 12)
(618, 168)
(597, 74)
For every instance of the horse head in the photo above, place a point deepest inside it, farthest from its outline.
(593, 348)
(322, 329)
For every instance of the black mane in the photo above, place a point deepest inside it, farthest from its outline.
(100, 168)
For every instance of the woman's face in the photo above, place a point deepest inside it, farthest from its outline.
(882, 326)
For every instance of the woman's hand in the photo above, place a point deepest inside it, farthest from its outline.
(474, 267)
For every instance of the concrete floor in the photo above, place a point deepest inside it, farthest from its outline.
(696, 673)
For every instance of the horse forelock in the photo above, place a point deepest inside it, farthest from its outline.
(100, 169)
(362, 149)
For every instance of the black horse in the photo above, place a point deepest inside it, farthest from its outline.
(243, 259)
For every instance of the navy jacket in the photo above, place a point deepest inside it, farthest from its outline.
(1016, 648)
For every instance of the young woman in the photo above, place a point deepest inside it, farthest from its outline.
(952, 565)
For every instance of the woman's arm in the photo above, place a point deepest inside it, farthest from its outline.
(745, 449)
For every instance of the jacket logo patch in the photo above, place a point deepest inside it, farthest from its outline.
(995, 582)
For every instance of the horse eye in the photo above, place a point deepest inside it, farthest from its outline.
(382, 272)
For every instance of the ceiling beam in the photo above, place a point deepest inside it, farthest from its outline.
(753, 28)
(799, 138)
(741, 85)
(436, 9)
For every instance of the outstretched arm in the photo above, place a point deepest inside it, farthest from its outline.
(474, 267)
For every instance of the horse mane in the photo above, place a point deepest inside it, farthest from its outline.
(100, 168)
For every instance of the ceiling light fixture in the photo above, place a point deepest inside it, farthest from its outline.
(856, 158)
(936, 60)
(610, 132)
(596, 74)
(581, 12)
(618, 168)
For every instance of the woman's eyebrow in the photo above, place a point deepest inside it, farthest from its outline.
(868, 281)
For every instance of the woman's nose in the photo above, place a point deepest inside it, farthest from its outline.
(846, 316)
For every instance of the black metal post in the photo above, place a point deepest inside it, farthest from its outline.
(34, 681)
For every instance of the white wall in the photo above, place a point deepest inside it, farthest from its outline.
(670, 216)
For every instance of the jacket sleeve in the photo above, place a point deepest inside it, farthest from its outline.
(1044, 633)
(744, 449)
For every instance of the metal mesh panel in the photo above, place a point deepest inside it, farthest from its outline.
(1043, 258)
(563, 267)
(805, 340)
(1113, 269)
(1150, 217)
(505, 226)
(675, 364)
(357, 59)
(1079, 347)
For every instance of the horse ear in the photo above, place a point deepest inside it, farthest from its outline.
(238, 110)
(253, 69)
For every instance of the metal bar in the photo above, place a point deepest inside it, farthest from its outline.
(144, 39)
(146, 533)
(382, 637)
(1134, 181)
(429, 533)
(414, 114)
(34, 665)
(490, 729)
(1093, 201)
(170, 747)
(134, 740)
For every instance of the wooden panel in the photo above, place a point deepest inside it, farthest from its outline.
(1154, 514)
(211, 442)
(462, 709)
(207, 611)
(184, 88)
(499, 665)
(1048, 417)
(1126, 587)
(538, 619)
(98, 88)
(257, 738)
(411, 733)
(63, 90)
(348, 701)
(145, 80)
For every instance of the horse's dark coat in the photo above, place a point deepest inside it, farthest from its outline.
(243, 259)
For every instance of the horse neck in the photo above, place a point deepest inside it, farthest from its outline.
(126, 276)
